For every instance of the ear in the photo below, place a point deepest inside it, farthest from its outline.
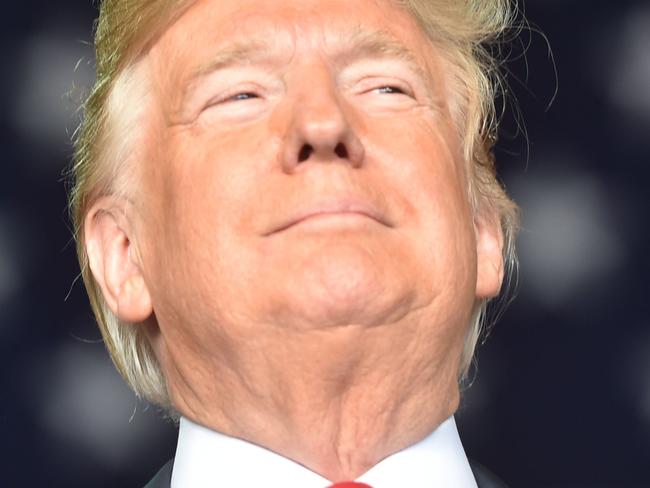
(489, 251)
(114, 262)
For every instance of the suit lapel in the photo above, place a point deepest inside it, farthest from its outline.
(163, 478)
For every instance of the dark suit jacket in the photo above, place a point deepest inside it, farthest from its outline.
(484, 479)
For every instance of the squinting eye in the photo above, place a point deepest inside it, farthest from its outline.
(391, 89)
(241, 96)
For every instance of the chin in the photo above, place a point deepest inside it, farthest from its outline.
(342, 287)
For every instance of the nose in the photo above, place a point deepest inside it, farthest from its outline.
(319, 131)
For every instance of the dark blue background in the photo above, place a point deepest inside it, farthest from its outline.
(561, 396)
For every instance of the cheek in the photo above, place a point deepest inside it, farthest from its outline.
(426, 173)
(195, 202)
(211, 178)
(424, 165)
(205, 183)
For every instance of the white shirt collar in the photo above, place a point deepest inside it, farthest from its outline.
(208, 459)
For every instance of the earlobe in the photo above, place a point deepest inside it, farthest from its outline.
(113, 263)
(489, 250)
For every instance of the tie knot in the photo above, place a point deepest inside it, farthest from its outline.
(349, 484)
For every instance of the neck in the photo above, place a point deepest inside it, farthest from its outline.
(335, 401)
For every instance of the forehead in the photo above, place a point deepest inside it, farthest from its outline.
(294, 25)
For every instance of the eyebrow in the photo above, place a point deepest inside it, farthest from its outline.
(379, 44)
(235, 53)
(361, 44)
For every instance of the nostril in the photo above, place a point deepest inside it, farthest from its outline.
(341, 151)
(305, 152)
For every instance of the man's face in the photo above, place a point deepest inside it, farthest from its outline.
(302, 172)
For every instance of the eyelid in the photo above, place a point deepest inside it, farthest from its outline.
(369, 83)
(219, 85)
(228, 95)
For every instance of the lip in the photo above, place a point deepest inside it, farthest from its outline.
(332, 206)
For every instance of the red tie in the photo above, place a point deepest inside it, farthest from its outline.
(349, 484)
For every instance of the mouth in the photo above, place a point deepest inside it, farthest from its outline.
(341, 211)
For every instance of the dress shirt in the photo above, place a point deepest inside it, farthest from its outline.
(208, 459)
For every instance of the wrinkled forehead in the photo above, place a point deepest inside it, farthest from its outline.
(227, 18)
(293, 27)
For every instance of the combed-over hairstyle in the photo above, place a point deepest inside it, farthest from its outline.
(464, 30)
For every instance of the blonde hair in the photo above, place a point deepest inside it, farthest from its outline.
(105, 139)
